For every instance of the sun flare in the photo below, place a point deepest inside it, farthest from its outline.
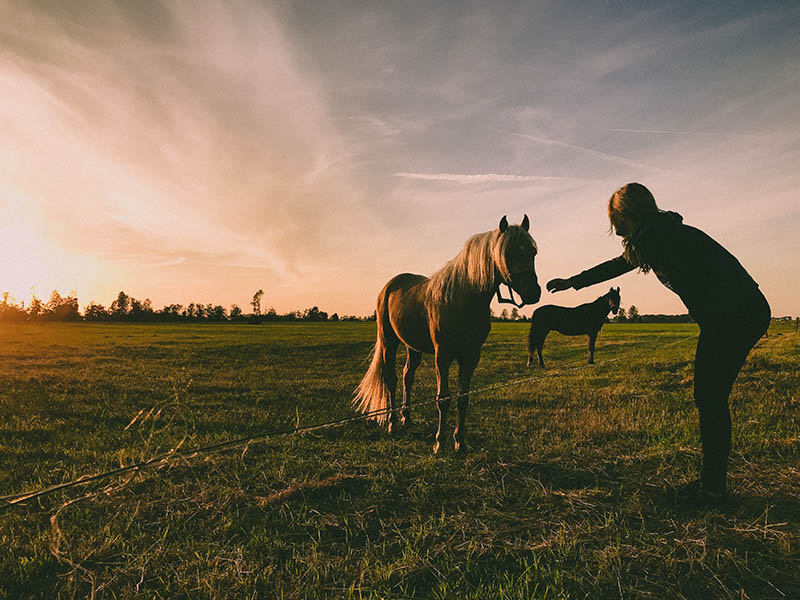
(30, 264)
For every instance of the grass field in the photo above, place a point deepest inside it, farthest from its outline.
(565, 490)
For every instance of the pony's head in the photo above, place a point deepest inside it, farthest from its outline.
(514, 254)
(613, 299)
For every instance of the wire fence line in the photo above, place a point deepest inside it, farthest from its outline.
(164, 459)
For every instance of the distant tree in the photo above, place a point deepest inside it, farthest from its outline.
(171, 312)
(95, 312)
(335, 317)
(120, 307)
(36, 310)
(190, 312)
(514, 314)
(236, 312)
(621, 316)
(61, 308)
(633, 314)
(314, 314)
(147, 309)
(256, 302)
(136, 311)
(504, 315)
(217, 313)
(10, 311)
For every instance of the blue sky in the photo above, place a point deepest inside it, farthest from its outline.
(201, 151)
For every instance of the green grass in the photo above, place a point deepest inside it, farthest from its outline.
(565, 490)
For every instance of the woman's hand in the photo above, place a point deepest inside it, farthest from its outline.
(558, 285)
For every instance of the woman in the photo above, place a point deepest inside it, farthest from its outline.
(719, 294)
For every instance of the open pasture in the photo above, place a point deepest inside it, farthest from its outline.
(565, 490)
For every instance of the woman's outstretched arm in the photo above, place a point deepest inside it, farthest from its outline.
(602, 272)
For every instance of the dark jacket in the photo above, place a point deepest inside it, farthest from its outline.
(708, 278)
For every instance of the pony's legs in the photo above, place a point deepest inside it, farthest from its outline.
(413, 359)
(536, 342)
(466, 367)
(592, 339)
(390, 375)
(442, 395)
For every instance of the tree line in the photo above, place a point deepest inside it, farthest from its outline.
(129, 309)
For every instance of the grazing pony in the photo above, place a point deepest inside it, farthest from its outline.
(446, 315)
(584, 319)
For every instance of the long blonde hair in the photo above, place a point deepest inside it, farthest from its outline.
(634, 202)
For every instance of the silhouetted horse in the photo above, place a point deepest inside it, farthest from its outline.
(584, 319)
(446, 315)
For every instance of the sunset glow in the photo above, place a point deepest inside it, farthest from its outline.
(200, 152)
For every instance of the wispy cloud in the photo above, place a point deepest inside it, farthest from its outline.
(478, 178)
(698, 133)
(204, 141)
(614, 158)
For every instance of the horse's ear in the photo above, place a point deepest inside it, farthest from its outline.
(503, 224)
(526, 224)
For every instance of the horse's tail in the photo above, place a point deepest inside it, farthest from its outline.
(372, 394)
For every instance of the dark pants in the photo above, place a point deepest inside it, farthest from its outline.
(725, 340)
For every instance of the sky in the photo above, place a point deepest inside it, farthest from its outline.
(200, 151)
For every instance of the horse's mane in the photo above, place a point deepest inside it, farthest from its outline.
(473, 269)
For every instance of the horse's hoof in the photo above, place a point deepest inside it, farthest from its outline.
(436, 448)
(406, 422)
(529, 363)
(459, 447)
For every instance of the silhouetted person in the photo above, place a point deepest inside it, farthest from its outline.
(719, 294)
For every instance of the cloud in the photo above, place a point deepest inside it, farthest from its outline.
(698, 133)
(479, 178)
(203, 140)
(614, 158)
(317, 143)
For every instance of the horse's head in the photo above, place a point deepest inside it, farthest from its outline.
(515, 253)
(613, 299)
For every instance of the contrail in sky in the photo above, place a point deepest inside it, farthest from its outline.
(479, 177)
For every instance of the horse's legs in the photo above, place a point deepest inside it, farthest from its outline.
(592, 338)
(413, 359)
(442, 394)
(466, 367)
(390, 376)
(539, 344)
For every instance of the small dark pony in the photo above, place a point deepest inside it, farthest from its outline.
(446, 315)
(584, 319)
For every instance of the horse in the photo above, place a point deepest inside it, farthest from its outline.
(446, 315)
(584, 319)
